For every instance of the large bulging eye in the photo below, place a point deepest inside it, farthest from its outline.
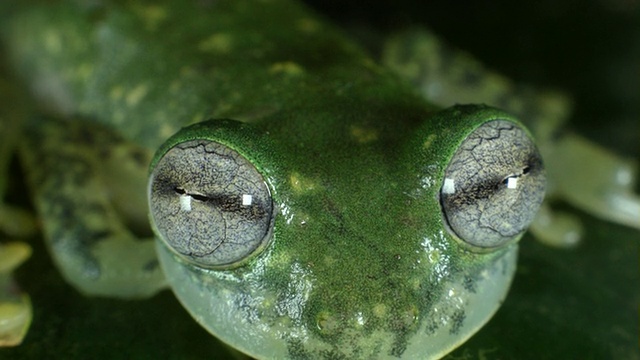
(209, 204)
(493, 185)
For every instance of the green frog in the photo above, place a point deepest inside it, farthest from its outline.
(305, 201)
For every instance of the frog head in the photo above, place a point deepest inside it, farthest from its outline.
(326, 237)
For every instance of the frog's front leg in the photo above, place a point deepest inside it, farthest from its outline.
(84, 181)
(595, 179)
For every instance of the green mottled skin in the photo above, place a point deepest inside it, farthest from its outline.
(360, 263)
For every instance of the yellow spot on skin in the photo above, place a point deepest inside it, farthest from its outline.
(363, 135)
(134, 96)
(186, 71)
(428, 141)
(197, 118)
(287, 68)
(84, 71)
(300, 184)
(175, 86)
(52, 42)
(433, 256)
(151, 15)
(13, 254)
(371, 65)
(116, 93)
(166, 130)
(329, 261)
(219, 43)
(380, 310)
(415, 283)
(326, 322)
(308, 25)
(280, 260)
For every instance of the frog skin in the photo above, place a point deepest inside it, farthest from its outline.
(336, 216)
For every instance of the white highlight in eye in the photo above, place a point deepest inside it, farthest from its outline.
(185, 202)
(247, 200)
(512, 183)
(449, 186)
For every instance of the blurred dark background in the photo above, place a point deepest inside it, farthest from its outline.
(588, 48)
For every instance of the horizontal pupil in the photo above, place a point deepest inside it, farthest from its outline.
(195, 196)
(227, 204)
(525, 171)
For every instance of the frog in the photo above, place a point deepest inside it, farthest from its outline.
(326, 178)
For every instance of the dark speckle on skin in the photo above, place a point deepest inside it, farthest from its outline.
(297, 350)
(151, 265)
(457, 320)
(431, 328)
(399, 346)
(140, 157)
(469, 284)
(472, 77)
(62, 160)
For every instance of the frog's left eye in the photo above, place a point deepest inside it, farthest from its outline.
(209, 204)
(493, 185)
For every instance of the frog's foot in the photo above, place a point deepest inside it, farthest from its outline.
(594, 179)
(15, 307)
(118, 265)
(556, 229)
(89, 188)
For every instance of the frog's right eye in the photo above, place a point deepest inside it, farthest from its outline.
(209, 204)
(493, 185)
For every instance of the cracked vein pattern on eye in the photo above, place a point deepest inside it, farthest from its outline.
(493, 185)
(209, 204)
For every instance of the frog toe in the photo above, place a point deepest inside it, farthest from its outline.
(15, 306)
(15, 318)
(557, 229)
(595, 180)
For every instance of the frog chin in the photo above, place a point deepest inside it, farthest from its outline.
(246, 320)
(463, 311)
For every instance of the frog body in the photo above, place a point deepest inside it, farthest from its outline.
(358, 253)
